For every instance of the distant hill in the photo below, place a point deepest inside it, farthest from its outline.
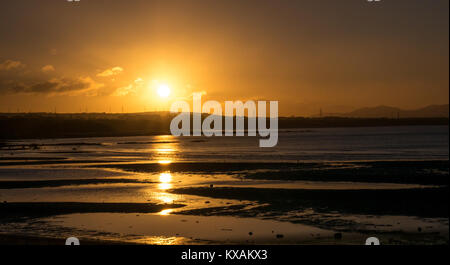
(432, 111)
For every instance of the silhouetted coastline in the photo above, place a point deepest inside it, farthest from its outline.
(48, 125)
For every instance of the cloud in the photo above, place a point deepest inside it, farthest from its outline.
(130, 89)
(48, 68)
(55, 86)
(66, 86)
(110, 72)
(10, 64)
(15, 79)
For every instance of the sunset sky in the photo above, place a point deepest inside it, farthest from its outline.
(105, 55)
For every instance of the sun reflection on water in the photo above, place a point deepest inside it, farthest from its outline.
(165, 212)
(165, 177)
(161, 240)
(164, 186)
(166, 197)
(165, 149)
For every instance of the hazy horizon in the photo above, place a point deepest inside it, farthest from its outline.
(434, 113)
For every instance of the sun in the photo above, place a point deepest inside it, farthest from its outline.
(163, 90)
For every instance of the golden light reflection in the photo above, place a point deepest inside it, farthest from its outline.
(164, 150)
(164, 186)
(165, 212)
(166, 197)
(164, 137)
(161, 240)
(165, 177)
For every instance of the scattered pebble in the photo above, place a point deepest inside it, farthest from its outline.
(279, 236)
(207, 202)
(419, 229)
(250, 233)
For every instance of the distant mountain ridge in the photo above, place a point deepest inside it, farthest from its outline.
(432, 111)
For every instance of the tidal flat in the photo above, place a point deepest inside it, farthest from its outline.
(321, 186)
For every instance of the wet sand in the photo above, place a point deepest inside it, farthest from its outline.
(128, 190)
(24, 240)
(65, 182)
(411, 202)
(237, 190)
(29, 210)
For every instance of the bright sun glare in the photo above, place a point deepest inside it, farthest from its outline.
(163, 90)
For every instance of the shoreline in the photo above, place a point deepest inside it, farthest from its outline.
(34, 240)
(34, 127)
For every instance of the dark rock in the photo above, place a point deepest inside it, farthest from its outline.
(338, 236)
